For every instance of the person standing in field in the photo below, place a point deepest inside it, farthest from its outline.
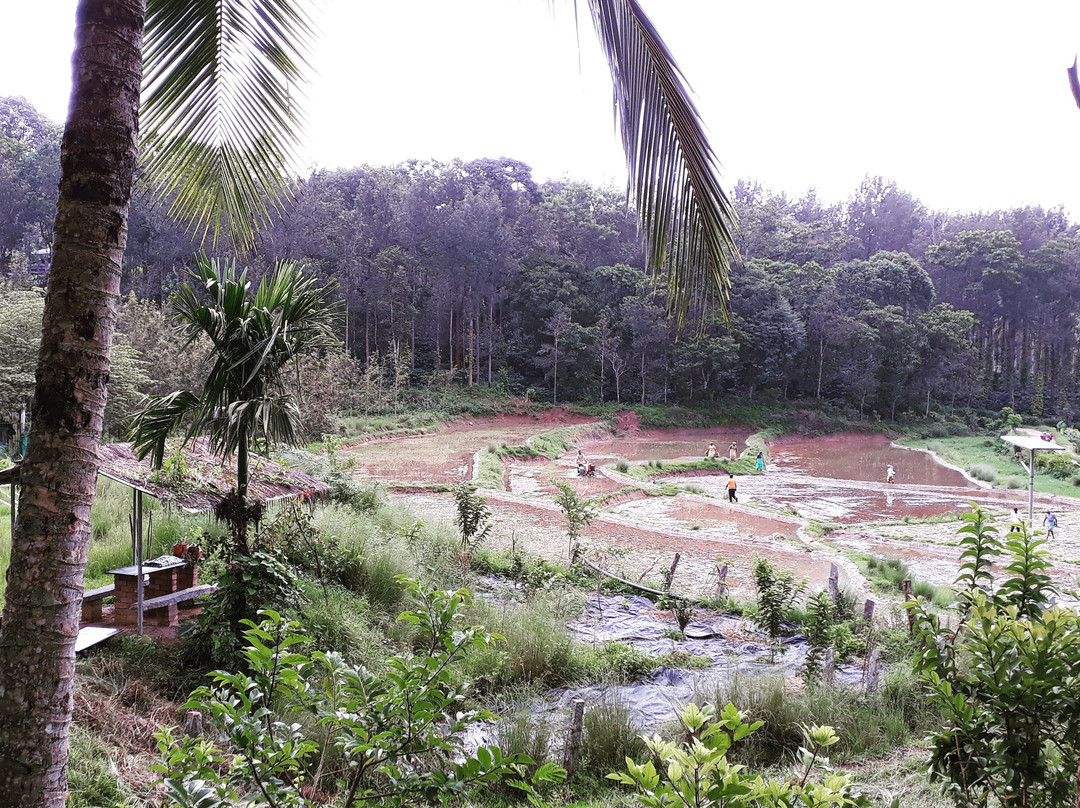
(890, 473)
(733, 451)
(760, 464)
(1017, 523)
(1050, 520)
(731, 486)
(712, 453)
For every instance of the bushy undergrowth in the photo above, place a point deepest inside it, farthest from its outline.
(888, 575)
(866, 725)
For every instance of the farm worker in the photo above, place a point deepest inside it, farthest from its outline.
(733, 451)
(1017, 522)
(712, 452)
(760, 461)
(731, 486)
(1050, 520)
(890, 473)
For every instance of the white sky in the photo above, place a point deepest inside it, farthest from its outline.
(964, 103)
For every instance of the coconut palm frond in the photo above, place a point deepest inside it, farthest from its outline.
(687, 217)
(220, 121)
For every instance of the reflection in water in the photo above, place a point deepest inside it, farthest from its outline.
(669, 444)
(863, 457)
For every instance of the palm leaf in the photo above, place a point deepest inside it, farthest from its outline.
(220, 123)
(673, 173)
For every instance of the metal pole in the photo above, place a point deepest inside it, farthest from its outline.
(138, 557)
(1031, 488)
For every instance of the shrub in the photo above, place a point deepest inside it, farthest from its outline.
(609, 738)
(777, 591)
(982, 472)
(697, 773)
(622, 466)
(394, 734)
(1005, 679)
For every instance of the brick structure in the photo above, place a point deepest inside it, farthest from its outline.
(157, 581)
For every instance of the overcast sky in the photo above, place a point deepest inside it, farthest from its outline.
(965, 104)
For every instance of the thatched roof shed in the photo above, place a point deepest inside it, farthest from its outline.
(195, 479)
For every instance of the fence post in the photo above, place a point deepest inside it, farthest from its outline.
(868, 610)
(908, 597)
(829, 667)
(572, 751)
(834, 583)
(873, 672)
(721, 583)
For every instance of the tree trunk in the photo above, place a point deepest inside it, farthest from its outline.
(48, 555)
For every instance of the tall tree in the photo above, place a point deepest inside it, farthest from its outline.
(219, 100)
(252, 340)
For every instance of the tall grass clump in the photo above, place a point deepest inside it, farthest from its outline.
(982, 472)
(889, 574)
(866, 725)
(342, 621)
(609, 738)
(537, 647)
(93, 779)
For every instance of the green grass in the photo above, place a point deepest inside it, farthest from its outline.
(491, 472)
(866, 726)
(644, 471)
(990, 459)
(888, 576)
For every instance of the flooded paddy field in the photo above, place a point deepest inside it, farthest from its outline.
(820, 503)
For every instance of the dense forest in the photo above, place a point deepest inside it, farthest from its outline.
(473, 272)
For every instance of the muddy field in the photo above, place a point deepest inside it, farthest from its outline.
(836, 481)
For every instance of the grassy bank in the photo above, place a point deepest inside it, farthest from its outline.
(990, 459)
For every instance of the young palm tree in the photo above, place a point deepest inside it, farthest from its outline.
(219, 114)
(253, 339)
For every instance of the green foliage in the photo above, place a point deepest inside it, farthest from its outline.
(1005, 679)
(577, 511)
(697, 774)
(248, 584)
(473, 517)
(393, 735)
(868, 726)
(776, 591)
(820, 621)
(609, 739)
(91, 775)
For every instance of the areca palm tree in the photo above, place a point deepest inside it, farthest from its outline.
(219, 112)
(252, 341)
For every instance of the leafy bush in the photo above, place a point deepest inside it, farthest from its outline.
(777, 591)
(865, 725)
(1005, 678)
(697, 773)
(394, 734)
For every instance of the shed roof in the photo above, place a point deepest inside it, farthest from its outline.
(205, 480)
(1032, 442)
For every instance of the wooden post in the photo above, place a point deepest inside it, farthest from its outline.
(193, 724)
(834, 583)
(868, 610)
(671, 572)
(721, 582)
(572, 750)
(829, 668)
(908, 597)
(873, 672)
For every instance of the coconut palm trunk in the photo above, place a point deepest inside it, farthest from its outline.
(48, 557)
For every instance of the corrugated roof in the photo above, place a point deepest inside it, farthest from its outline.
(207, 477)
